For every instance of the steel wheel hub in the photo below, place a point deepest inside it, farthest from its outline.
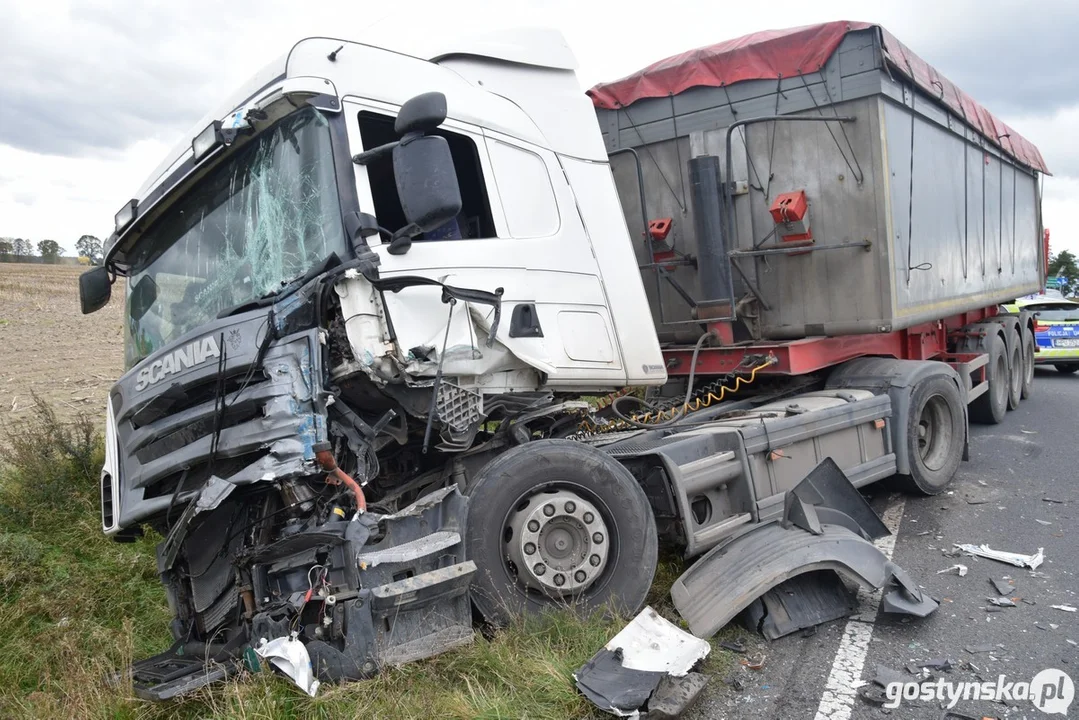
(558, 541)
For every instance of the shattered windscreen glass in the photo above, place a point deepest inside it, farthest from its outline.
(266, 215)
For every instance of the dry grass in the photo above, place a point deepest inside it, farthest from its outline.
(49, 348)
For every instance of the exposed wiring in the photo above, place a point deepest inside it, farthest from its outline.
(651, 420)
(689, 391)
(656, 418)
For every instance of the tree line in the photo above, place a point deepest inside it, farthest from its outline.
(21, 250)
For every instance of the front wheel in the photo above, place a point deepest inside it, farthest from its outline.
(557, 523)
(1066, 368)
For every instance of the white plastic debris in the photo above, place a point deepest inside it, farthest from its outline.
(1065, 608)
(1017, 559)
(652, 643)
(289, 655)
(960, 570)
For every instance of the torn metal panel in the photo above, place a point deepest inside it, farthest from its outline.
(649, 659)
(653, 643)
(289, 655)
(1018, 559)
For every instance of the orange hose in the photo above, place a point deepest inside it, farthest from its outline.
(325, 459)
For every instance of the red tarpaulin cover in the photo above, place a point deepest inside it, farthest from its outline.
(796, 51)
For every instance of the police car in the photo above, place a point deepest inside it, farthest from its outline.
(1056, 329)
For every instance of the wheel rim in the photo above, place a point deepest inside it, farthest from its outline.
(558, 542)
(935, 432)
(1001, 381)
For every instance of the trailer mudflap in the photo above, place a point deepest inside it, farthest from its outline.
(826, 525)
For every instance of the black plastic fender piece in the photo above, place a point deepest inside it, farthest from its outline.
(731, 575)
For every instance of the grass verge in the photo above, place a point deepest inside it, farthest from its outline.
(75, 607)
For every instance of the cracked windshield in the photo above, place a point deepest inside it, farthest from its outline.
(266, 215)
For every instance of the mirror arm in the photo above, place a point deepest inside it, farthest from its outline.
(369, 156)
(401, 241)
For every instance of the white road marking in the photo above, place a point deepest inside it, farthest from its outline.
(839, 693)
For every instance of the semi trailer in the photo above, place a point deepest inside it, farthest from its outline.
(411, 335)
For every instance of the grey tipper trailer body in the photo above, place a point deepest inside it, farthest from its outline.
(924, 217)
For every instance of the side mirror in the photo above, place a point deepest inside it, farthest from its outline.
(421, 114)
(426, 185)
(423, 168)
(95, 289)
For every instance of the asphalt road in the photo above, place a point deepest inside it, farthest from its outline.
(997, 498)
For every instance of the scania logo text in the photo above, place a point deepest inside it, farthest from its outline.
(194, 353)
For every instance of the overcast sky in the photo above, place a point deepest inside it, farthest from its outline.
(94, 93)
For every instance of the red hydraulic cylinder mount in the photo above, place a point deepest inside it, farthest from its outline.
(658, 230)
(790, 212)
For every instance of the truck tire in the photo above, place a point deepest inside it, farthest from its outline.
(936, 431)
(989, 407)
(554, 523)
(1028, 362)
(1015, 368)
(1066, 368)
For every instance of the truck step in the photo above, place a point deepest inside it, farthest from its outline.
(714, 533)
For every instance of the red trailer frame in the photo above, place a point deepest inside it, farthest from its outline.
(928, 341)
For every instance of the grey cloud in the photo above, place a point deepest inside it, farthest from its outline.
(112, 75)
(1014, 58)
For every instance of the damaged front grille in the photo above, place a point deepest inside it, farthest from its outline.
(253, 413)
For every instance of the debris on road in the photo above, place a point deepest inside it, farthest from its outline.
(1065, 608)
(735, 646)
(1017, 559)
(1004, 586)
(1001, 602)
(648, 661)
(942, 664)
(1042, 522)
(755, 664)
(960, 570)
(1055, 501)
(975, 649)
(886, 676)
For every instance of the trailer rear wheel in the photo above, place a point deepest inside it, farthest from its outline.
(1015, 369)
(557, 523)
(935, 434)
(1028, 362)
(989, 407)
(1066, 368)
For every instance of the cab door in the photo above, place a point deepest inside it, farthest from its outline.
(518, 230)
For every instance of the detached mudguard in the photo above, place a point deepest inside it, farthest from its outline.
(818, 532)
